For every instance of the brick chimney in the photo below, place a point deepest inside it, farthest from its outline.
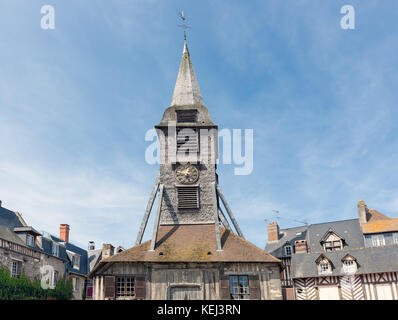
(64, 232)
(273, 231)
(107, 250)
(363, 212)
(300, 246)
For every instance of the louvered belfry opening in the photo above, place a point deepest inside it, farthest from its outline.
(187, 140)
(188, 197)
(184, 116)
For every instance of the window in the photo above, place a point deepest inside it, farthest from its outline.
(239, 287)
(76, 284)
(54, 279)
(125, 287)
(188, 197)
(333, 245)
(187, 141)
(378, 240)
(288, 250)
(16, 269)
(187, 116)
(324, 267)
(395, 237)
(76, 262)
(54, 249)
(349, 266)
(30, 240)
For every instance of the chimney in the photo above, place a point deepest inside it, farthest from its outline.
(273, 231)
(300, 246)
(107, 250)
(91, 245)
(363, 213)
(64, 232)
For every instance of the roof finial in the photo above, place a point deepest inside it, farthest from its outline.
(184, 26)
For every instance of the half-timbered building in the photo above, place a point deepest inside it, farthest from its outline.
(197, 250)
(353, 259)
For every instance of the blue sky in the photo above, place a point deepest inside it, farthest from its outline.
(76, 102)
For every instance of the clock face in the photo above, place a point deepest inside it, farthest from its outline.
(186, 173)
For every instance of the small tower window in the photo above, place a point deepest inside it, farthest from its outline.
(187, 141)
(188, 197)
(187, 116)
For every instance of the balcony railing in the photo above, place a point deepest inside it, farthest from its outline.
(8, 245)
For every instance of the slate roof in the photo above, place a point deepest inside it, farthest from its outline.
(192, 243)
(11, 236)
(9, 219)
(369, 260)
(349, 230)
(286, 236)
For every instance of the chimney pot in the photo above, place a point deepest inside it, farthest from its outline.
(64, 232)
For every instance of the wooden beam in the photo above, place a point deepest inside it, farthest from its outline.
(157, 219)
(147, 212)
(223, 219)
(224, 201)
(216, 217)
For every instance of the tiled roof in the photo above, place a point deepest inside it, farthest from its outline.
(376, 215)
(386, 225)
(193, 243)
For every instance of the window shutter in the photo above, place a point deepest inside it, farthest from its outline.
(187, 116)
(109, 284)
(188, 197)
(224, 286)
(187, 140)
(254, 287)
(140, 287)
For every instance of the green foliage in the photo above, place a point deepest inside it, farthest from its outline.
(24, 289)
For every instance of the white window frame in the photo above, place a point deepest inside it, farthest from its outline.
(76, 262)
(56, 251)
(54, 279)
(76, 284)
(17, 271)
(378, 240)
(287, 248)
(395, 237)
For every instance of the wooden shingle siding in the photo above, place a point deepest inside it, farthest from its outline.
(109, 287)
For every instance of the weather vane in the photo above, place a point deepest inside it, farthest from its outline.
(184, 26)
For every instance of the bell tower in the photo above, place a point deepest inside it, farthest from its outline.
(187, 183)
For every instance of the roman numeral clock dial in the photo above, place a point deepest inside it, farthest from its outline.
(186, 174)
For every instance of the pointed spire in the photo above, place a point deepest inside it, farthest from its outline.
(186, 90)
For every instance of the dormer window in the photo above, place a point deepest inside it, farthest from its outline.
(55, 249)
(349, 264)
(30, 240)
(76, 262)
(324, 265)
(288, 250)
(331, 242)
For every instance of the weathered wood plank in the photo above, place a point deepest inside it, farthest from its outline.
(157, 219)
(147, 212)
